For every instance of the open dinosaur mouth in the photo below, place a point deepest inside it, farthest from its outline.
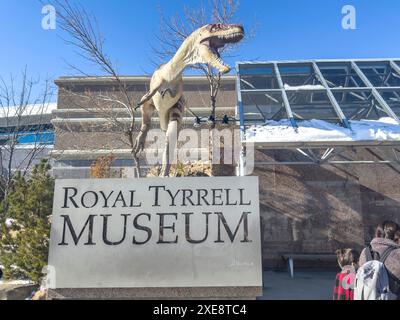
(221, 41)
(217, 42)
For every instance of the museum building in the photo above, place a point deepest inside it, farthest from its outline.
(326, 136)
(26, 135)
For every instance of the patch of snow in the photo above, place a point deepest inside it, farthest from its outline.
(17, 282)
(304, 87)
(28, 110)
(384, 129)
(9, 223)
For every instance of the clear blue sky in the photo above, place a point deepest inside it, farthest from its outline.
(287, 29)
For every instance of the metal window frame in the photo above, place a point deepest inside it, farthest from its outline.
(314, 64)
(331, 97)
(331, 148)
(286, 102)
(375, 92)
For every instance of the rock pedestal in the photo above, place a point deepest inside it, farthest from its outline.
(213, 293)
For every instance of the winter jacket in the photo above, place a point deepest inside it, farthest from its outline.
(392, 263)
(343, 289)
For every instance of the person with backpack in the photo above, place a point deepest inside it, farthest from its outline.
(397, 237)
(344, 285)
(378, 277)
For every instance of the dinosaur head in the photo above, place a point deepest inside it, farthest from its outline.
(212, 38)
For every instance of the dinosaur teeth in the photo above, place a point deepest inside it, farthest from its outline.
(218, 63)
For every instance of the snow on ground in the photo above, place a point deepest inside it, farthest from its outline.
(384, 129)
(9, 223)
(20, 282)
(16, 282)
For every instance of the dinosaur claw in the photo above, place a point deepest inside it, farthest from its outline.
(225, 69)
(139, 143)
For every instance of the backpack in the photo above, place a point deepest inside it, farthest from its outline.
(372, 279)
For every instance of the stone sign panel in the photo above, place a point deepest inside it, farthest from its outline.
(175, 232)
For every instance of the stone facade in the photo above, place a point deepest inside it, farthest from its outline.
(321, 208)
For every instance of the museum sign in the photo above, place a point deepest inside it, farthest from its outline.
(175, 232)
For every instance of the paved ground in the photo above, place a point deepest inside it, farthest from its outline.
(306, 285)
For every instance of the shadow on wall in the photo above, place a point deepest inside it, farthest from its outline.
(318, 209)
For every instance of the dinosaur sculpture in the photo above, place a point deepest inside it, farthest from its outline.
(166, 85)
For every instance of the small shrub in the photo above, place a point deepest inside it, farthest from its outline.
(101, 168)
(195, 169)
(25, 226)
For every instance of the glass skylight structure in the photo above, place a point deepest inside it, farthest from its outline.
(336, 91)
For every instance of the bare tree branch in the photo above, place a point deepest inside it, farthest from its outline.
(174, 30)
(82, 32)
(22, 114)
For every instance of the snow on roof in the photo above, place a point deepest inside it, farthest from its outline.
(304, 87)
(28, 110)
(384, 129)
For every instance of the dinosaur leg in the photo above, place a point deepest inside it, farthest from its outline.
(149, 95)
(170, 145)
(147, 112)
(155, 85)
(175, 120)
